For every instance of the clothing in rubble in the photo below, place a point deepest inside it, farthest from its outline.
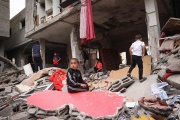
(74, 81)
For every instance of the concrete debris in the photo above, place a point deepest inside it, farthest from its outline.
(174, 80)
(7, 61)
(22, 88)
(13, 104)
(118, 85)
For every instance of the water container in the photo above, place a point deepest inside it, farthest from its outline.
(28, 69)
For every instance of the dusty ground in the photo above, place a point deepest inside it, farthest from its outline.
(137, 89)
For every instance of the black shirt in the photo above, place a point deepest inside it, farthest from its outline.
(74, 78)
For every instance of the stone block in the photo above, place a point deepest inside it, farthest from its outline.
(21, 77)
(8, 90)
(174, 80)
(22, 88)
(20, 116)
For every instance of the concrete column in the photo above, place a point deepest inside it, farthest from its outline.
(76, 52)
(42, 43)
(2, 54)
(56, 9)
(153, 27)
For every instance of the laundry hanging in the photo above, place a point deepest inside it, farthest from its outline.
(86, 22)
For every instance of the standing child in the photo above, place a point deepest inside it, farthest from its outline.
(56, 59)
(74, 79)
(137, 51)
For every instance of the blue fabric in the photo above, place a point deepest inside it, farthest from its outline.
(36, 50)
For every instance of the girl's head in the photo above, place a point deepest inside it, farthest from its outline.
(74, 63)
(55, 53)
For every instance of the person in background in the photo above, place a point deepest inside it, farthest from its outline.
(85, 56)
(56, 59)
(37, 56)
(98, 66)
(75, 82)
(137, 52)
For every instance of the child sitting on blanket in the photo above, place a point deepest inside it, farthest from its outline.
(74, 79)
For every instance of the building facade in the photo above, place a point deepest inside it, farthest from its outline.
(4, 26)
(56, 24)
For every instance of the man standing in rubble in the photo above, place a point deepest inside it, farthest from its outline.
(137, 52)
(37, 56)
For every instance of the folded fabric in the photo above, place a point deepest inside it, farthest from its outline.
(156, 106)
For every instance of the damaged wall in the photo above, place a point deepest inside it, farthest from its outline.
(1, 53)
(4, 18)
(17, 25)
(29, 13)
(18, 55)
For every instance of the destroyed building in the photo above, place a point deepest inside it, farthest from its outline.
(56, 24)
(4, 27)
(115, 22)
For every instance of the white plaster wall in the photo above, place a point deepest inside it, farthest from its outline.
(56, 9)
(48, 4)
(41, 12)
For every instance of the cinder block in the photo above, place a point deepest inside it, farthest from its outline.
(20, 116)
(8, 90)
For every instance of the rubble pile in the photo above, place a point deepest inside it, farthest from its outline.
(15, 87)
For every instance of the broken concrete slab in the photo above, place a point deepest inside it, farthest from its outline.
(21, 77)
(20, 116)
(137, 89)
(8, 90)
(22, 88)
(7, 61)
(161, 73)
(119, 84)
(52, 118)
(7, 111)
(14, 94)
(174, 80)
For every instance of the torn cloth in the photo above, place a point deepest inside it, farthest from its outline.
(57, 78)
(86, 22)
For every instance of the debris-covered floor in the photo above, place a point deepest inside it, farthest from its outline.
(111, 96)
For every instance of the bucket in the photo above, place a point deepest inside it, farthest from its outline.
(28, 69)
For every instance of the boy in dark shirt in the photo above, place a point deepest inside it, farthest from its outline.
(56, 59)
(74, 79)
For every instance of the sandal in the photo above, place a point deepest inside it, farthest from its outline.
(143, 79)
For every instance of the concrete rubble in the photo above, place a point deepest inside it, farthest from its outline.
(16, 88)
